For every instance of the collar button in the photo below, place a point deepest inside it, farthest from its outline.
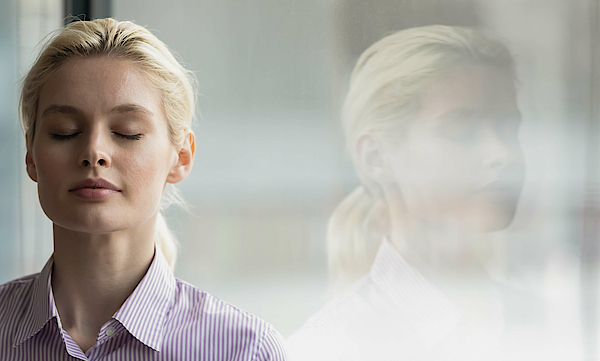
(109, 331)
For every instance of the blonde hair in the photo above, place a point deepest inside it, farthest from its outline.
(383, 95)
(134, 43)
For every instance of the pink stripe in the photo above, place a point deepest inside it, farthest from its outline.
(163, 319)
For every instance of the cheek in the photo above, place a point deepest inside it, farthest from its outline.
(435, 179)
(438, 170)
(51, 165)
(144, 170)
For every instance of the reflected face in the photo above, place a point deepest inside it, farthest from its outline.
(100, 118)
(462, 163)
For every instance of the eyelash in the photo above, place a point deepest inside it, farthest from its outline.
(69, 136)
(130, 137)
(63, 136)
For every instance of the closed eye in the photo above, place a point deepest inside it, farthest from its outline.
(63, 136)
(130, 137)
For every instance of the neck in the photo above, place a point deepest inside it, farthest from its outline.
(447, 248)
(452, 259)
(93, 274)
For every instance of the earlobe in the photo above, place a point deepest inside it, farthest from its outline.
(185, 160)
(30, 165)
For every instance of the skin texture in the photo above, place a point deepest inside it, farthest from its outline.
(456, 174)
(102, 248)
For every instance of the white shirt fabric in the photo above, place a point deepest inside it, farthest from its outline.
(395, 313)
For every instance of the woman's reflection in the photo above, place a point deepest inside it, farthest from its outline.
(431, 121)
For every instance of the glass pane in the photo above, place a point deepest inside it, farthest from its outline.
(481, 224)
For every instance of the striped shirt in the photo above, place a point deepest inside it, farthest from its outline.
(392, 313)
(396, 313)
(163, 319)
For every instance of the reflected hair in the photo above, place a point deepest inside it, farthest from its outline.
(133, 43)
(384, 94)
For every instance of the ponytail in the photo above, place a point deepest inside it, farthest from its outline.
(354, 233)
(165, 240)
(383, 97)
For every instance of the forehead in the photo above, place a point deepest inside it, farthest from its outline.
(97, 85)
(484, 90)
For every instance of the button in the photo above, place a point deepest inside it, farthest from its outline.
(109, 331)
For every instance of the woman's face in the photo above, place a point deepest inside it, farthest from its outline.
(462, 163)
(100, 118)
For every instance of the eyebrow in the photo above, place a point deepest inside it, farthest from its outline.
(457, 113)
(119, 109)
(60, 109)
(126, 108)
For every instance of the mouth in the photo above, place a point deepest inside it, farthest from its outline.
(94, 189)
(497, 186)
(94, 184)
(504, 188)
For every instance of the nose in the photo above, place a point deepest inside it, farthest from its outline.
(95, 150)
(496, 153)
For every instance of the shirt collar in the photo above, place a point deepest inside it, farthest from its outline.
(142, 314)
(41, 306)
(425, 307)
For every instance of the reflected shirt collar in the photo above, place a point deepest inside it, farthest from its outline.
(425, 307)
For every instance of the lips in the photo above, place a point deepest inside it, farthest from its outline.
(95, 183)
(502, 188)
(94, 189)
(499, 186)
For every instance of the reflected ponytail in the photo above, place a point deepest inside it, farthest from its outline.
(135, 44)
(384, 94)
(354, 233)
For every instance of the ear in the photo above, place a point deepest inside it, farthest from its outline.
(372, 159)
(185, 160)
(30, 165)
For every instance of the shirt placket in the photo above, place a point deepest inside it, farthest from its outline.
(109, 331)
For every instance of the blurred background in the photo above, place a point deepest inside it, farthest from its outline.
(271, 164)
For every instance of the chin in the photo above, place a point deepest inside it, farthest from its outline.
(493, 216)
(498, 223)
(86, 226)
(87, 222)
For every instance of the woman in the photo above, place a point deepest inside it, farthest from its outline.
(431, 122)
(107, 114)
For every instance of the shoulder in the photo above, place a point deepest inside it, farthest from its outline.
(220, 324)
(19, 282)
(329, 333)
(13, 294)
(359, 299)
(210, 309)
(14, 298)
